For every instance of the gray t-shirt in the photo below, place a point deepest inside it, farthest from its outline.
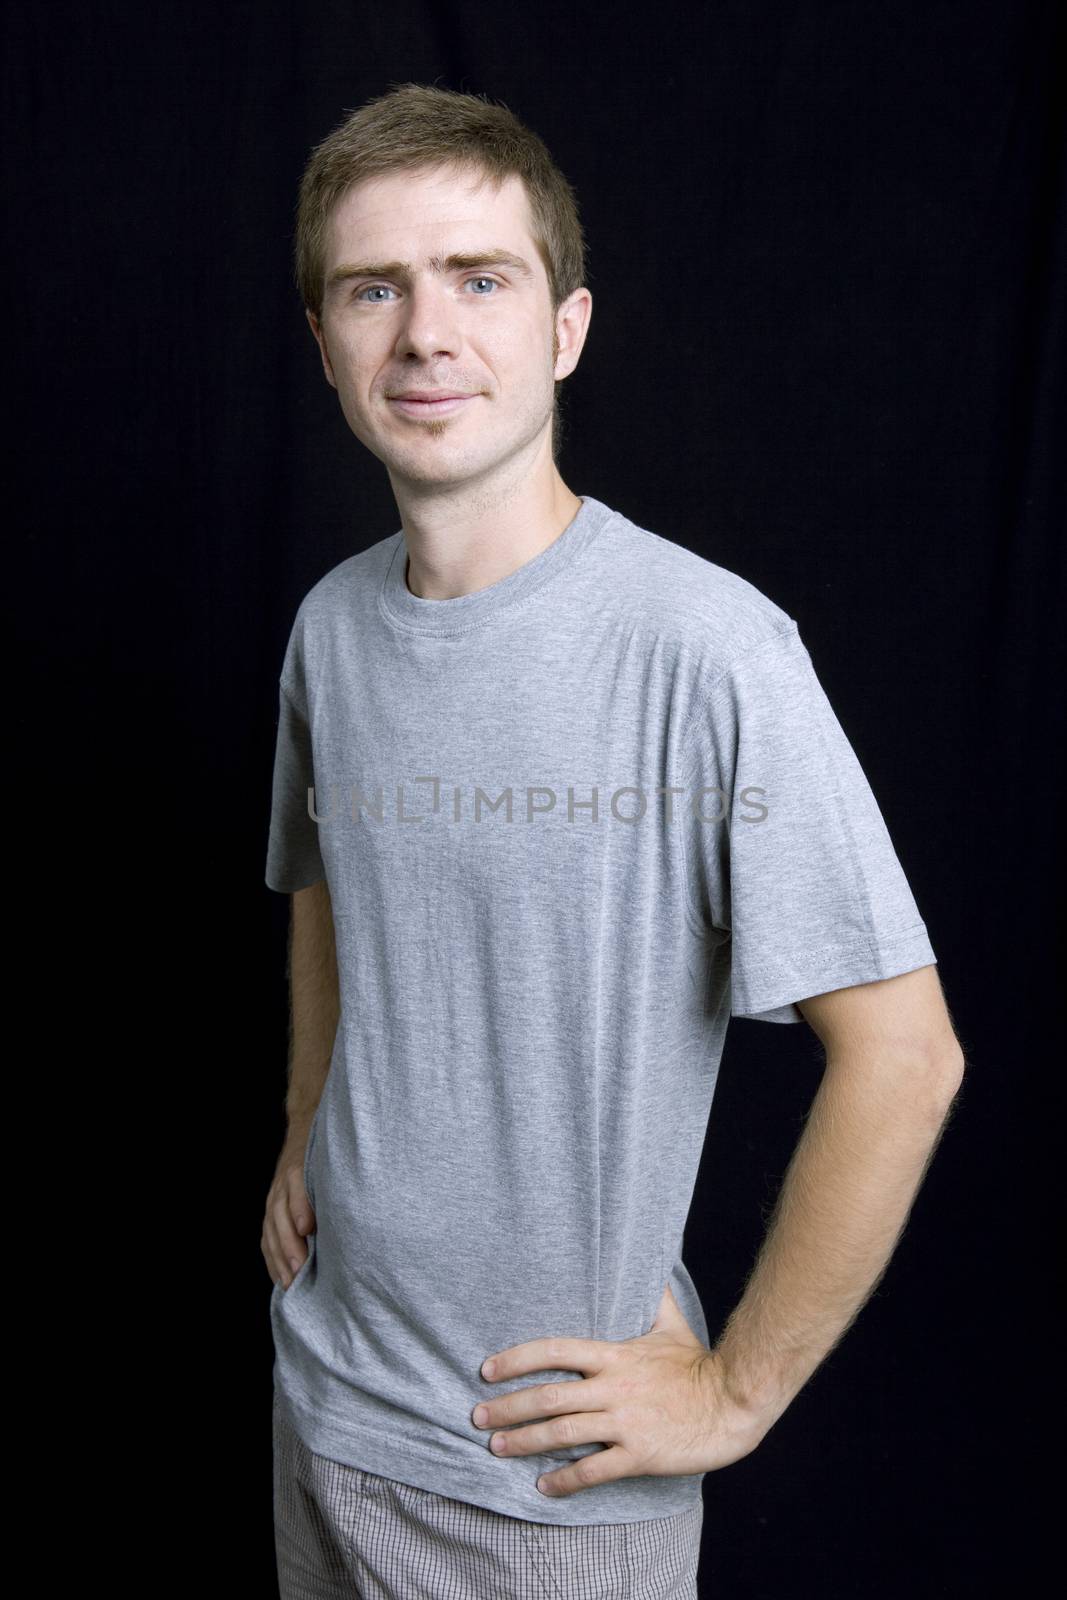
(535, 988)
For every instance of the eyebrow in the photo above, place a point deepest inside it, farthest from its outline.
(402, 271)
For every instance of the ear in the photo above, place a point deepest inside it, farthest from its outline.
(572, 325)
(320, 339)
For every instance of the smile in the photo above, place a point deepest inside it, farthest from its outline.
(432, 408)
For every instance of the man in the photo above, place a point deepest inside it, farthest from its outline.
(578, 797)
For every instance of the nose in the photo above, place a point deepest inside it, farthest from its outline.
(429, 325)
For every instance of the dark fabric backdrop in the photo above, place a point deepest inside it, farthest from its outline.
(826, 352)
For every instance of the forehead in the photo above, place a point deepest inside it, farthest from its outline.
(411, 216)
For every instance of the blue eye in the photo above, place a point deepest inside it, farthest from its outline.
(384, 288)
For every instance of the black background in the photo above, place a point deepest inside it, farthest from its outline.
(826, 352)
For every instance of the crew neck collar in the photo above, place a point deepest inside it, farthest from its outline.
(447, 618)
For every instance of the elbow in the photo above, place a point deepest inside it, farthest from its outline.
(946, 1068)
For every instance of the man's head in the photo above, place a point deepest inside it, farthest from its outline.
(472, 262)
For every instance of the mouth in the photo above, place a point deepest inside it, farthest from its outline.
(432, 408)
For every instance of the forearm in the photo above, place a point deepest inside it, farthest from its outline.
(869, 1137)
(314, 1004)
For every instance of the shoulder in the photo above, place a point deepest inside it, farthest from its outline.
(710, 614)
(351, 580)
(335, 603)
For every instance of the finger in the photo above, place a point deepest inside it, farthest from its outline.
(544, 1355)
(602, 1467)
(281, 1273)
(586, 1427)
(292, 1248)
(288, 1248)
(300, 1207)
(541, 1400)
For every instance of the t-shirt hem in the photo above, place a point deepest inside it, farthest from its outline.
(388, 1456)
(292, 883)
(287, 869)
(861, 961)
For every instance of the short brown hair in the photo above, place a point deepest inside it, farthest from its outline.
(415, 126)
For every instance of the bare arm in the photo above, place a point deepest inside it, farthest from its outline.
(892, 1072)
(314, 1004)
(314, 1010)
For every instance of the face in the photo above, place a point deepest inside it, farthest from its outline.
(407, 320)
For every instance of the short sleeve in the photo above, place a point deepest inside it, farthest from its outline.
(293, 857)
(800, 873)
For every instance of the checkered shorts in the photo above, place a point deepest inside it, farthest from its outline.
(345, 1534)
